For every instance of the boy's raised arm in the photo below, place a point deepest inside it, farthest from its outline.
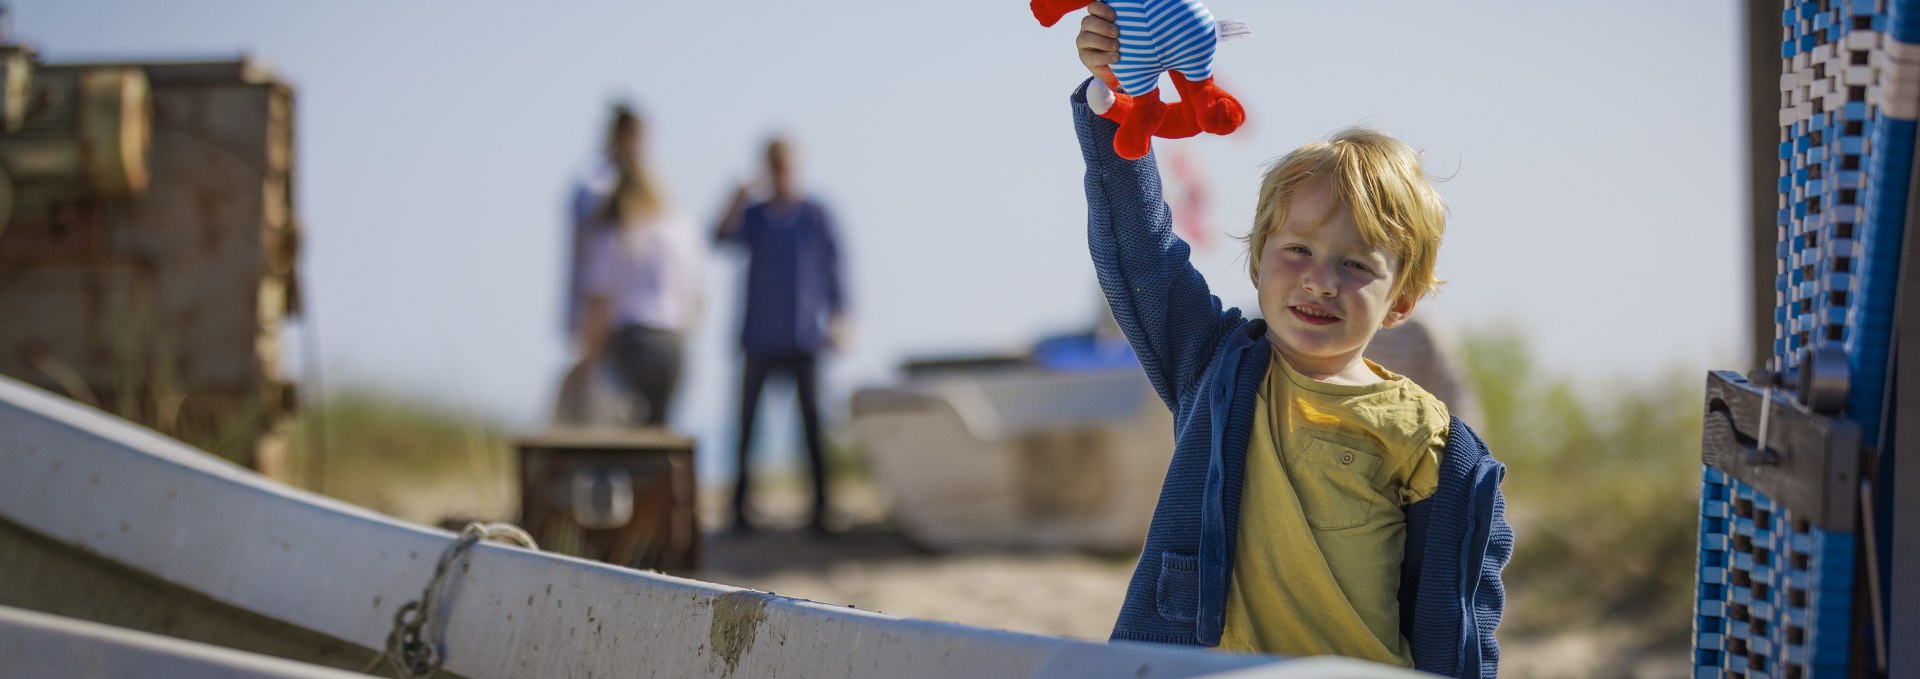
(1162, 303)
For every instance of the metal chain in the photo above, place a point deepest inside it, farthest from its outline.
(409, 652)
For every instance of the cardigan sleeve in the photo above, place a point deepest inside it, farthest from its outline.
(1159, 300)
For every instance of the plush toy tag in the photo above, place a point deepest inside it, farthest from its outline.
(1231, 29)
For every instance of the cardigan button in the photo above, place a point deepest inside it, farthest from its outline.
(1346, 458)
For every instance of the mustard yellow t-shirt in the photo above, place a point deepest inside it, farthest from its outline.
(1329, 470)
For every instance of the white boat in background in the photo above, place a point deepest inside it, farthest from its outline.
(101, 520)
(1011, 455)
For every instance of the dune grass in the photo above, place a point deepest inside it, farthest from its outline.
(410, 459)
(1603, 486)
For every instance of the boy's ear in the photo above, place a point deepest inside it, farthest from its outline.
(1401, 311)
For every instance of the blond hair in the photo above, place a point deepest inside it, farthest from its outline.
(1379, 179)
(635, 193)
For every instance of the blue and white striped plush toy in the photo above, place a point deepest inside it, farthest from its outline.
(1160, 36)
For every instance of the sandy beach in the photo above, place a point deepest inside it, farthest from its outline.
(870, 565)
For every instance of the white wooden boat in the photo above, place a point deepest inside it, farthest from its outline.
(36, 644)
(105, 521)
(1018, 457)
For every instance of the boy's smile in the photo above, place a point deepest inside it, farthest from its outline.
(1324, 291)
(1314, 314)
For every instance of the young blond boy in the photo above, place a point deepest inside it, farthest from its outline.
(1317, 503)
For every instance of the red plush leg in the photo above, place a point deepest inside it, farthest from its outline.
(1122, 105)
(1134, 138)
(1215, 110)
(1180, 122)
(1122, 102)
(1050, 11)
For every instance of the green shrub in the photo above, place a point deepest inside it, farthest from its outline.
(390, 454)
(1603, 487)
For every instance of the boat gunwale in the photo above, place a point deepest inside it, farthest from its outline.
(134, 497)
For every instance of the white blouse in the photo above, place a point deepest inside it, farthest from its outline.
(650, 272)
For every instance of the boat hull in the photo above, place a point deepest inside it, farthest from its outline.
(88, 482)
(1026, 459)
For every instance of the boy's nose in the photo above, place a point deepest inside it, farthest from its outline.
(1317, 283)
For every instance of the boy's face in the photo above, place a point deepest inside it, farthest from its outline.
(1324, 290)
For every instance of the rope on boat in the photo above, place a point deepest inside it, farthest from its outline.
(409, 652)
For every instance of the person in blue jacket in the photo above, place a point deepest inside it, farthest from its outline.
(796, 308)
(1316, 503)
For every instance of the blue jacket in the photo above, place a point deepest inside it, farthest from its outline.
(793, 278)
(1207, 364)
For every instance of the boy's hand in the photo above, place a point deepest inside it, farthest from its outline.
(1099, 41)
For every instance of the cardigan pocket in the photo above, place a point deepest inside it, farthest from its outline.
(1334, 482)
(1176, 596)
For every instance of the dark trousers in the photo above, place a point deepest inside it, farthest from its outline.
(801, 368)
(649, 362)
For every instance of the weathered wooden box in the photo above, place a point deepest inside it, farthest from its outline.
(166, 307)
(623, 496)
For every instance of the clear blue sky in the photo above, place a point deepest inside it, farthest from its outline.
(1595, 154)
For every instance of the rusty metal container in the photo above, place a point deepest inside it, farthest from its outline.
(148, 258)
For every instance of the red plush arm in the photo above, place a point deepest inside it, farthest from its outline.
(1050, 11)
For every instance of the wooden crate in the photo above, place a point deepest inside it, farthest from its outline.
(570, 490)
(167, 308)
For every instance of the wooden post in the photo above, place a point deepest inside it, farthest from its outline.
(1763, 171)
(1903, 492)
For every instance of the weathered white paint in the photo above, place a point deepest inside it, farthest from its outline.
(88, 479)
(40, 645)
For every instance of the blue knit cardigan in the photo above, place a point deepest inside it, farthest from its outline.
(1207, 364)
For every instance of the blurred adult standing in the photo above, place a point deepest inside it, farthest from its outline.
(587, 202)
(795, 309)
(592, 396)
(637, 279)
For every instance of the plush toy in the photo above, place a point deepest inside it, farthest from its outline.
(1158, 36)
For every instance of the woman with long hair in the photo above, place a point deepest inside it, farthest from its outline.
(640, 279)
